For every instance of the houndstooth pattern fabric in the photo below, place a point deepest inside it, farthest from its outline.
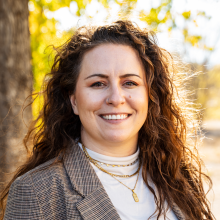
(62, 191)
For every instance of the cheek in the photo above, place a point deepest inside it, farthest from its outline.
(139, 100)
(89, 102)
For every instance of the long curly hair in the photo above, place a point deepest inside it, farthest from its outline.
(168, 160)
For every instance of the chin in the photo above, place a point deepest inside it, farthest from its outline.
(116, 138)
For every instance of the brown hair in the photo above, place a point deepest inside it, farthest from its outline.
(167, 159)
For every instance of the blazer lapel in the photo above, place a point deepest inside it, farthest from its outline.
(95, 203)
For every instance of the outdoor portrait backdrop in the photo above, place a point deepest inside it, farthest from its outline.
(188, 29)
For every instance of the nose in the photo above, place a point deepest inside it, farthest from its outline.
(115, 97)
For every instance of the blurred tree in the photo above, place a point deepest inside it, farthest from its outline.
(15, 81)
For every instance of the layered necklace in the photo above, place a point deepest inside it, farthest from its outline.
(95, 162)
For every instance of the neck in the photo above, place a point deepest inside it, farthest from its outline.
(113, 149)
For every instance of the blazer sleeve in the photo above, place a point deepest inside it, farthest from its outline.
(22, 202)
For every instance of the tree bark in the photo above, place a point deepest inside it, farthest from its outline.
(15, 82)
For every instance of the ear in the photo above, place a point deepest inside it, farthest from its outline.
(74, 104)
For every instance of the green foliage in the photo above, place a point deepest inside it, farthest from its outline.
(203, 14)
(186, 14)
(43, 32)
(152, 18)
(192, 39)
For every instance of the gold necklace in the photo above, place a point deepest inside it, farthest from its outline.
(105, 171)
(113, 165)
(133, 193)
(113, 175)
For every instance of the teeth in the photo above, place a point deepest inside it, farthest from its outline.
(115, 117)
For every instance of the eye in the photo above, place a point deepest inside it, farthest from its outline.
(98, 84)
(130, 83)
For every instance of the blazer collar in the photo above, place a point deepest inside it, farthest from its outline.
(82, 176)
(95, 203)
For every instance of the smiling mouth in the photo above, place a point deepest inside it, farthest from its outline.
(115, 117)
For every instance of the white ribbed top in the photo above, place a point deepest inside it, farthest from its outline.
(120, 195)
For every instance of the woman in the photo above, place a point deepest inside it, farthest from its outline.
(110, 141)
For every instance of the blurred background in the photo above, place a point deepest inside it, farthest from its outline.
(189, 29)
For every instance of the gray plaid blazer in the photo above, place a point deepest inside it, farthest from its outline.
(68, 190)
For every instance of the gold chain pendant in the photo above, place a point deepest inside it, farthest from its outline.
(113, 175)
(135, 196)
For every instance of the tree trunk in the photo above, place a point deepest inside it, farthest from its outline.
(15, 83)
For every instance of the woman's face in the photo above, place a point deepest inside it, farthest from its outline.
(111, 95)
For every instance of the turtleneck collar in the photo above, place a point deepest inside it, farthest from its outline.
(127, 170)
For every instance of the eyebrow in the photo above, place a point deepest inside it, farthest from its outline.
(106, 76)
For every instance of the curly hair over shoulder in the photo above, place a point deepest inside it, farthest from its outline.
(168, 161)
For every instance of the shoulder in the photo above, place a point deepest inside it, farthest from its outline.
(42, 173)
(35, 194)
(47, 174)
(23, 199)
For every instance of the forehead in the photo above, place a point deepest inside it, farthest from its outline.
(107, 58)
